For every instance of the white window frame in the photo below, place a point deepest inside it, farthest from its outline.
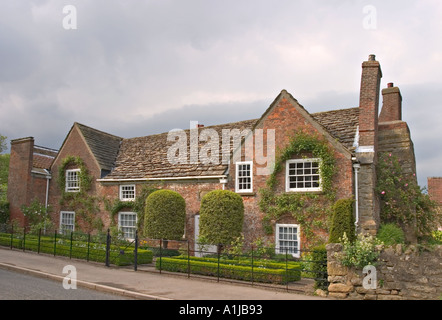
(237, 164)
(296, 251)
(68, 188)
(122, 197)
(120, 226)
(63, 225)
(305, 189)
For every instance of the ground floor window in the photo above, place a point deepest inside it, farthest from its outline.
(67, 221)
(287, 239)
(127, 223)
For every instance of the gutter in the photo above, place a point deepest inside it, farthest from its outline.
(164, 179)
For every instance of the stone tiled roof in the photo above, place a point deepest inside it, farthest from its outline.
(103, 145)
(341, 124)
(146, 157)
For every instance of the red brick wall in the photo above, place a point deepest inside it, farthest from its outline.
(74, 145)
(285, 118)
(435, 189)
(369, 102)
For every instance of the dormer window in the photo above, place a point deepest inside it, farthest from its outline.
(73, 180)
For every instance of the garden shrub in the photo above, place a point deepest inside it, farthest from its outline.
(165, 215)
(342, 221)
(281, 273)
(221, 217)
(319, 267)
(390, 233)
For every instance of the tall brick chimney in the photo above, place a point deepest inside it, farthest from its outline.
(368, 209)
(392, 104)
(369, 104)
(19, 179)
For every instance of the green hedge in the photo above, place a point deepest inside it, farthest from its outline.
(119, 256)
(272, 272)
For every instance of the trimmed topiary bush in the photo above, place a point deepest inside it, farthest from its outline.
(390, 233)
(221, 217)
(342, 221)
(165, 215)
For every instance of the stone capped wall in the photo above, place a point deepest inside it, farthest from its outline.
(403, 273)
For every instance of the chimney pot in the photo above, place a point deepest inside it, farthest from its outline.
(390, 85)
(372, 57)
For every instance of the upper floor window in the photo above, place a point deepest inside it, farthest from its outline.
(303, 175)
(244, 176)
(127, 192)
(73, 180)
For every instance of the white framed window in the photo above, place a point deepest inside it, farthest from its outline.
(67, 221)
(303, 175)
(127, 192)
(127, 223)
(73, 180)
(287, 239)
(244, 176)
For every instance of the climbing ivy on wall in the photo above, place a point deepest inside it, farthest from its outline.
(85, 206)
(309, 209)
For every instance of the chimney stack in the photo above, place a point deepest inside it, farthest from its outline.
(392, 104)
(369, 104)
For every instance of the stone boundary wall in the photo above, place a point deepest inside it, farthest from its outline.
(403, 273)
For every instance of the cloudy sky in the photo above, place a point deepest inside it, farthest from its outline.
(133, 68)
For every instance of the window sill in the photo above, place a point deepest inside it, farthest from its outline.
(242, 193)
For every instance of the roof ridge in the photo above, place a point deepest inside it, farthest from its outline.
(96, 130)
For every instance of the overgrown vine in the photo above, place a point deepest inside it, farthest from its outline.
(310, 209)
(85, 205)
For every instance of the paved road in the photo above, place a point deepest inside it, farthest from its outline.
(19, 286)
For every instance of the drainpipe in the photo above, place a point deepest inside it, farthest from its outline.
(356, 166)
(223, 182)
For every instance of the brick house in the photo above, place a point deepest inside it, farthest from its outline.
(200, 159)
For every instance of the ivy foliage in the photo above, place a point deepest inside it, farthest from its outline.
(85, 205)
(403, 202)
(310, 209)
(138, 206)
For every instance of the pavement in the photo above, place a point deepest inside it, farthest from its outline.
(142, 284)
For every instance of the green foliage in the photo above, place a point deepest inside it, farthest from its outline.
(165, 215)
(261, 271)
(2, 143)
(86, 206)
(221, 217)
(390, 233)
(402, 200)
(342, 221)
(362, 252)
(37, 214)
(4, 172)
(319, 267)
(77, 249)
(308, 208)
